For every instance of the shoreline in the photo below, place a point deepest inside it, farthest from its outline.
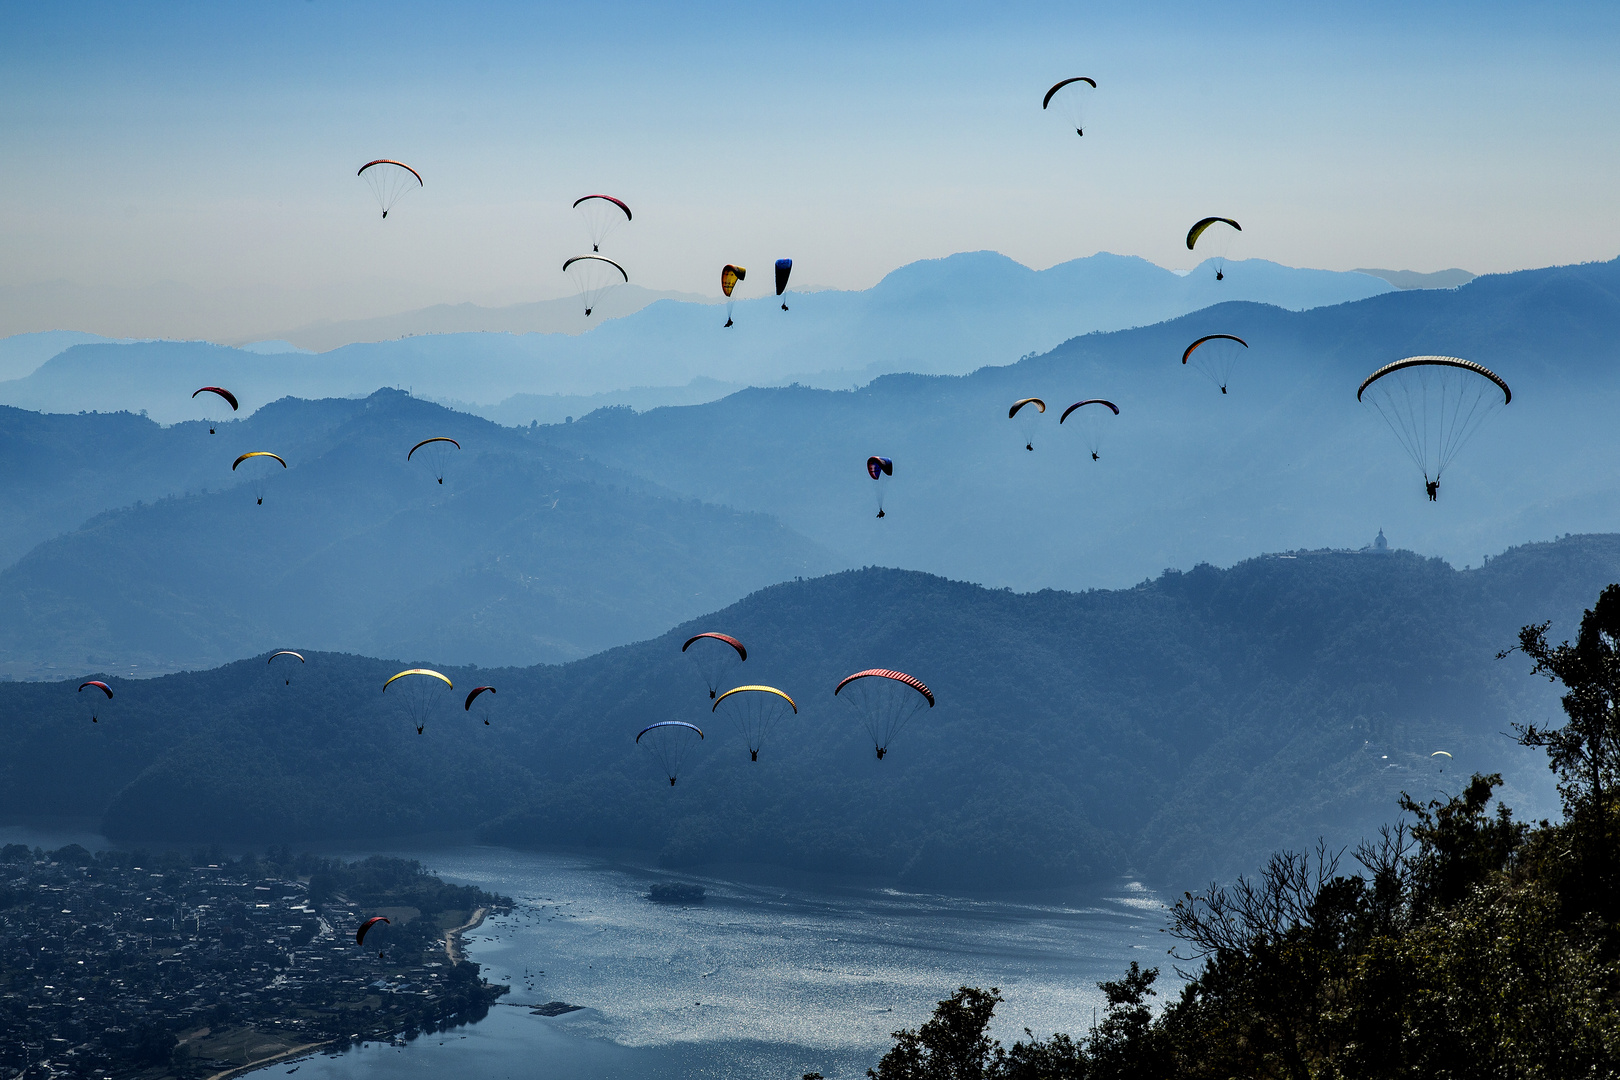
(296, 1051)
(452, 938)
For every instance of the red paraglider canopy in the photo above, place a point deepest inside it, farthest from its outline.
(229, 397)
(727, 638)
(360, 934)
(898, 676)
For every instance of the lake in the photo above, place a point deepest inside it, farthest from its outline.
(759, 980)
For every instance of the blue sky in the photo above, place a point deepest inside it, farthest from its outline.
(214, 145)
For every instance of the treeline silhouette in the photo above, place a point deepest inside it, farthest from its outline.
(1458, 943)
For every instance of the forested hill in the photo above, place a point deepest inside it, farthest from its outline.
(1182, 727)
(525, 552)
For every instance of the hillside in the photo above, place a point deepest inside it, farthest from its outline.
(1287, 459)
(524, 553)
(1179, 728)
(946, 315)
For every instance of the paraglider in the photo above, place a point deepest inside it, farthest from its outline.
(436, 451)
(885, 701)
(259, 469)
(729, 276)
(389, 181)
(755, 710)
(594, 276)
(286, 678)
(1215, 355)
(1027, 411)
(1091, 416)
(602, 214)
(880, 469)
(220, 392)
(365, 928)
(419, 693)
(99, 685)
(474, 697)
(1073, 98)
(668, 742)
(1434, 405)
(784, 267)
(715, 655)
(1220, 240)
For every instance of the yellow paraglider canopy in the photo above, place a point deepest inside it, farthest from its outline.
(758, 689)
(421, 671)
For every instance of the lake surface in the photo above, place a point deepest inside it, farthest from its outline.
(757, 981)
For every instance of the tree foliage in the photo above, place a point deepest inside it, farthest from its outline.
(1464, 944)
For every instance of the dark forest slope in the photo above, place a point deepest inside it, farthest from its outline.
(1184, 726)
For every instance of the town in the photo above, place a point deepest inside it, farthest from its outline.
(133, 964)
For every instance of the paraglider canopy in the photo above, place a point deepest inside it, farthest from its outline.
(1440, 753)
(435, 439)
(1047, 100)
(784, 267)
(885, 701)
(365, 927)
(389, 179)
(271, 659)
(229, 397)
(593, 276)
(669, 724)
(1198, 230)
(1028, 418)
(419, 671)
(256, 454)
(437, 453)
(715, 655)
(1073, 100)
(1088, 401)
(605, 198)
(1213, 357)
(884, 673)
(475, 692)
(602, 214)
(742, 653)
(755, 710)
(98, 684)
(668, 741)
(1434, 404)
(1222, 241)
(878, 467)
(729, 276)
(753, 689)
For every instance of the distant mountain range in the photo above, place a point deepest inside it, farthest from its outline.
(1179, 729)
(1288, 459)
(524, 553)
(945, 316)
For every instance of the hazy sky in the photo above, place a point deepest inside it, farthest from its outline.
(214, 145)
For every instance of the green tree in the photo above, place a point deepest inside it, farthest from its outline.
(953, 1045)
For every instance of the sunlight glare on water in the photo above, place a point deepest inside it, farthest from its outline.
(758, 980)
